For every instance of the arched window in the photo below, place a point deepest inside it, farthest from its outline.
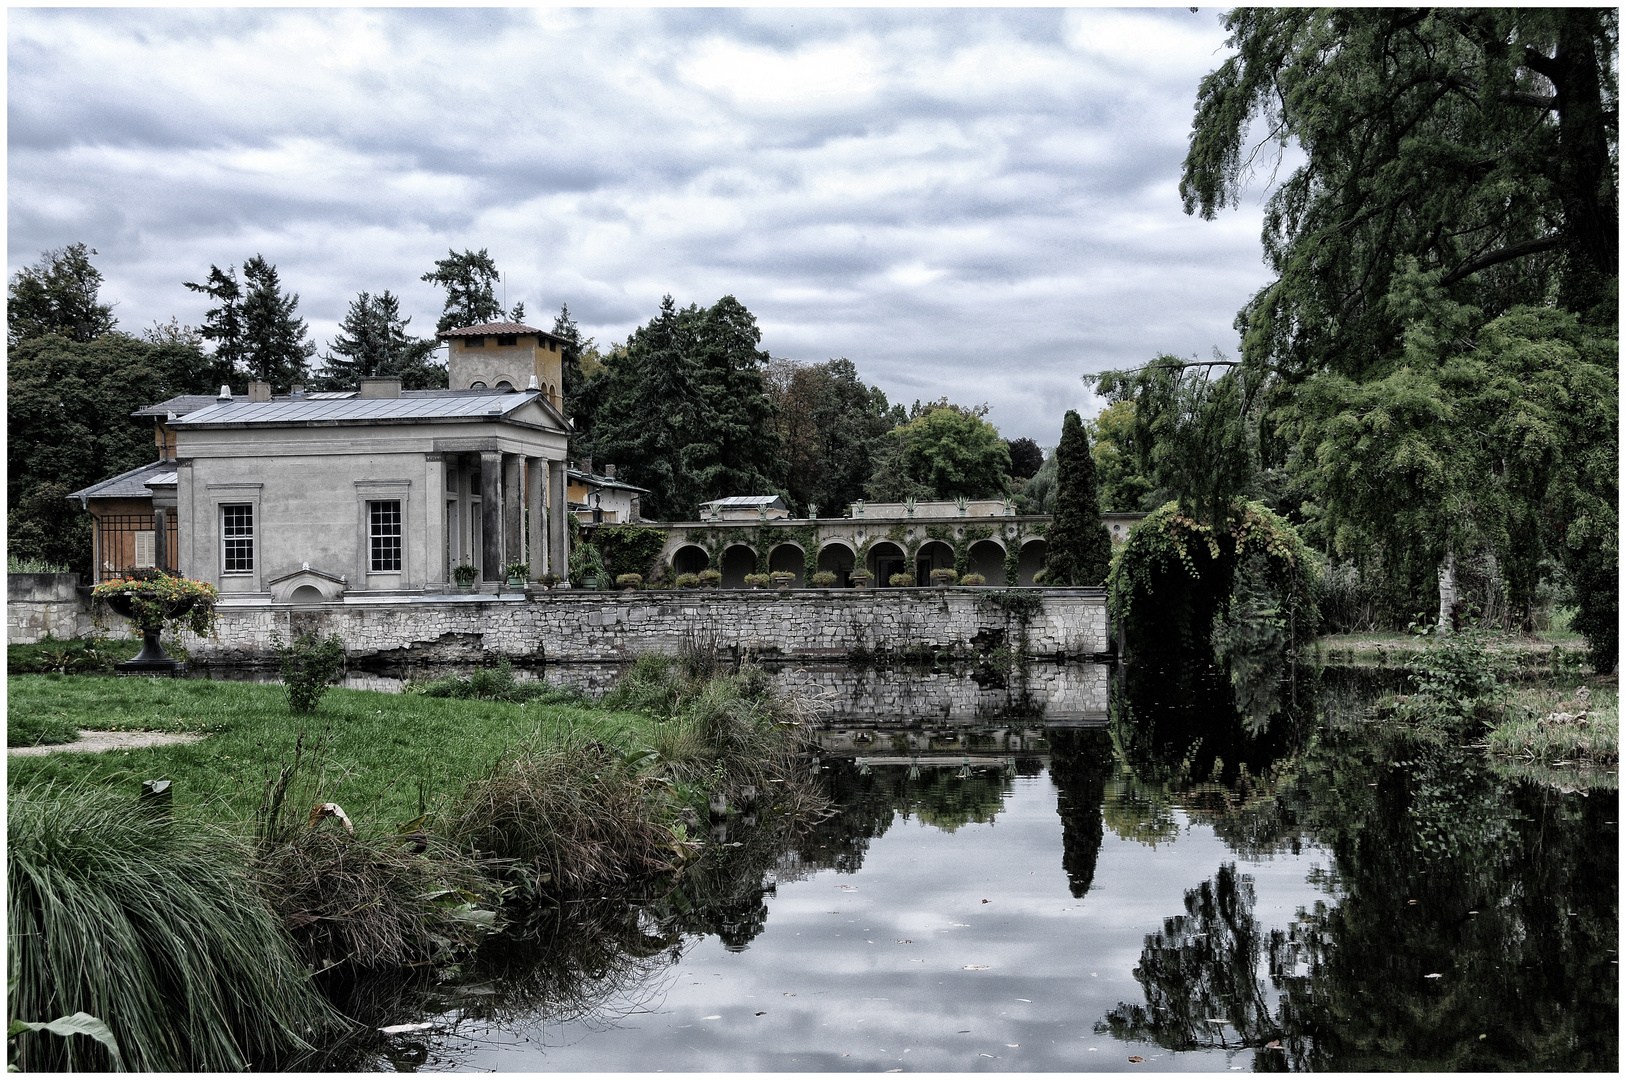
(477, 385)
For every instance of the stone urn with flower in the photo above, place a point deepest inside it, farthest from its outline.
(151, 600)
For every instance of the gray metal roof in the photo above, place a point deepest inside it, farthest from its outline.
(165, 479)
(184, 404)
(127, 485)
(360, 410)
(595, 480)
(749, 502)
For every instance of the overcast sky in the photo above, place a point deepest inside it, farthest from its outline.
(977, 203)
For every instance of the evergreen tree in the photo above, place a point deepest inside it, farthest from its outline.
(832, 429)
(1026, 457)
(58, 295)
(274, 345)
(223, 324)
(470, 300)
(373, 341)
(582, 390)
(1077, 546)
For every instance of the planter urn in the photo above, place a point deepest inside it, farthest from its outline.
(151, 660)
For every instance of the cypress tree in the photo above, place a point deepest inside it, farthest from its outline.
(1078, 547)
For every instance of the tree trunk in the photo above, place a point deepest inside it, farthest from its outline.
(1448, 592)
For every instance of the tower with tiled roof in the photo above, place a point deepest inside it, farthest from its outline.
(505, 355)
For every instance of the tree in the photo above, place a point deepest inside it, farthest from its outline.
(1077, 547)
(373, 341)
(830, 426)
(58, 295)
(1478, 142)
(467, 279)
(1119, 481)
(223, 324)
(944, 451)
(274, 345)
(1026, 457)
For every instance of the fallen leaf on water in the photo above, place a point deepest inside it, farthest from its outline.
(1028, 1000)
(1434, 975)
(894, 1070)
(790, 995)
(906, 941)
(711, 1018)
(1137, 1059)
(397, 1029)
(1274, 1044)
(1013, 1046)
(764, 1013)
(1410, 902)
(1217, 1020)
(985, 1055)
(985, 901)
(976, 967)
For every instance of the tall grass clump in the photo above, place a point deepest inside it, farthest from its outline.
(154, 927)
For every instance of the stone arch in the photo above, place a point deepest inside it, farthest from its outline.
(838, 557)
(789, 557)
(932, 555)
(1030, 560)
(885, 559)
(307, 594)
(737, 561)
(987, 557)
(689, 559)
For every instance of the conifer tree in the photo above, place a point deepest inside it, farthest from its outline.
(373, 341)
(58, 295)
(274, 345)
(1078, 546)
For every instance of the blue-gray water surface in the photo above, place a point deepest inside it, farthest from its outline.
(1158, 885)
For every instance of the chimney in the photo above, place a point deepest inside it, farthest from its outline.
(637, 511)
(259, 391)
(225, 393)
(587, 466)
(609, 472)
(381, 386)
(297, 391)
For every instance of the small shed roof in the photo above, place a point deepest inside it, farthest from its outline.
(747, 502)
(127, 485)
(595, 480)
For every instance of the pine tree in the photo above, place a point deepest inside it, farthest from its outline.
(58, 295)
(373, 341)
(1078, 546)
(223, 324)
(274, 345)
(467, 279)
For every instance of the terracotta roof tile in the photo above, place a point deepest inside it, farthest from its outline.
(491, 328)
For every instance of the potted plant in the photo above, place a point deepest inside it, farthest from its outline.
(517, 573)
(151, 599)
(548, 581)
(899, 581)
(756, 581)
(688, 581)
(824, 579)
(782, 579)
(973, 579)
(629, 581)
(861, 578)
(710, 579)
(943, 578)
(465, 576)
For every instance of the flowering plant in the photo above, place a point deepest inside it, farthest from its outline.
(152, 598)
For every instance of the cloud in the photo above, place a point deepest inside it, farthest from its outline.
(977, 203)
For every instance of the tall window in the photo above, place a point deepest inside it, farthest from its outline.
(384, 532)
(237, 533)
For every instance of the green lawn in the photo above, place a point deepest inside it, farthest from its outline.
(374, 753)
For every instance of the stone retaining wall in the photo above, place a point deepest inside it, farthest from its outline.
(38, 605)
(579, 625)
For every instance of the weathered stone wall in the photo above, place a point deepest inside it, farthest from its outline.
(577, 625)
(44, 604)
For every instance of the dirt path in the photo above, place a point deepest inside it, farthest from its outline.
(97, 742)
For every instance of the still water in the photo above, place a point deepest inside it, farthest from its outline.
(1138, 874)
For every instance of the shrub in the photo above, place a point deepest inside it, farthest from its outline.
(781, 578)
(973, 579)
(629, 581)
(756, 581)
(710, 578)
(308, 665)
(465, 574)
(14, 565)
(901, 580)
(155, 928)
(688, 581)
(75, 656)
(824, 579)
(944, 577)
(521, 570)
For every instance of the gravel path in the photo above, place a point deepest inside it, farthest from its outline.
(97, 742)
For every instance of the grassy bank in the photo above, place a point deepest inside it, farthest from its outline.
(1557, 726)
(1544, 654)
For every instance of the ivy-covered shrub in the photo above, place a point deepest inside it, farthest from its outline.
(629, 581)
(756, 581)
(973, 579)
(860, 578)
(688, 581)
(710, 578)
(782, 579)
(628, 549)
(901, 580)
(944, 577)
(824, 579)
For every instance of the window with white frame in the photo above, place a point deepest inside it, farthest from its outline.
(237, 538)
(384, 535)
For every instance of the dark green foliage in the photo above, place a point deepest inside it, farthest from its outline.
(832, 428)
(684, 413)
(308, 664)
(496, 683)
(628, 549)
(58, 295)
(40, 729)
(582, 394)
(1026, 457)
(274, 345)
(468, 279)
(154, 927)
(945, 451)
(223, 324)
(1077, 547)
(68, 408)
(372, 340)
(1118, 480)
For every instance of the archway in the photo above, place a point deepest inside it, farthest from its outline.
(932, 555)
(837, 558)
(886, 559)
(1030, 561)
(307, 594)
(738, 560)
(987, 557)
(690, 559)
(788, 558)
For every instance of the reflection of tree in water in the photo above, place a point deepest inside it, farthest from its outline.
(1080, 761)
(1507, 892)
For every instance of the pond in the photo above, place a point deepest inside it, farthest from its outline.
(1083, 869)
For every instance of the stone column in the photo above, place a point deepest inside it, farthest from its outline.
(160, 537)
(558, 530)
(491, 500)
(434, 523)
(513, 507)
(536, 520)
